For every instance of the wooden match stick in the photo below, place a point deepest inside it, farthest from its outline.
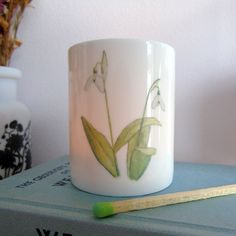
(105, 209)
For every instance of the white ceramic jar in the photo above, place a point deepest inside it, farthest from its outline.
(121, 116)
(15, 140)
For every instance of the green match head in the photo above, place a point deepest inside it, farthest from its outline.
(103, 209)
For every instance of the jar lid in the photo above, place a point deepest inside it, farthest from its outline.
(9, 72)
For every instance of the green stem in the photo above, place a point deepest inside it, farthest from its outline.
(110, 127)
(144, 110)
(108, 115)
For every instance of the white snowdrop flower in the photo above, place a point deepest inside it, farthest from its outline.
(158, 101)
(99, 75)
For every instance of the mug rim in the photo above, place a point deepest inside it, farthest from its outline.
(120, 39)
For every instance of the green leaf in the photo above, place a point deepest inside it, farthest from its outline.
(138, 158)
(101, 148)
(146, 150)
(130, 130)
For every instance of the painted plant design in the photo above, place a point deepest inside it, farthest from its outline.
(16, 155)
(135, 135)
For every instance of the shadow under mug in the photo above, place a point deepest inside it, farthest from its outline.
(121, 98)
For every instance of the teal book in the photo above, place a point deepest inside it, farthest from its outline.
(43, 202)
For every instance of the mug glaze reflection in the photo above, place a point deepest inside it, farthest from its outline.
(121, 94)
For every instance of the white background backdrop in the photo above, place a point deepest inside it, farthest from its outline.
(203, 33)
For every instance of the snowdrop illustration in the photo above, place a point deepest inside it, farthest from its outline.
(158, 99)
(135, 135)
(101, 147)
(99, 75)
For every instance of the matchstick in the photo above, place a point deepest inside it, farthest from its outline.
(105, 209)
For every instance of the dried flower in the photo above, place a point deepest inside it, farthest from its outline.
(11, 12)
(2, 6)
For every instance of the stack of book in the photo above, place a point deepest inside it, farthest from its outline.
(43, 202)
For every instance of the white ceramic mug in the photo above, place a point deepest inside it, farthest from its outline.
(121, 94)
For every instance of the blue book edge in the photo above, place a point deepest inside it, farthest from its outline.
(46, 190)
